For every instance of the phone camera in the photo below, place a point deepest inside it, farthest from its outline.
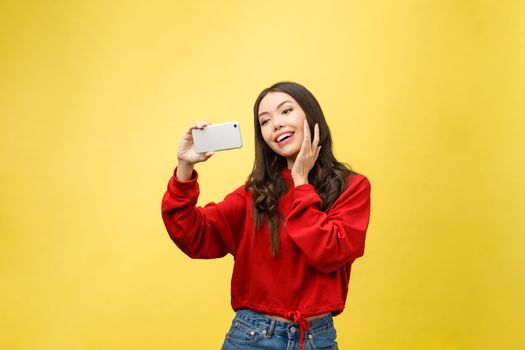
(234, 125)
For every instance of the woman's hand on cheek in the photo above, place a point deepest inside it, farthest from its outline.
(307, 156)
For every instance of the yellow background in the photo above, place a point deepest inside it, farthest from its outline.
(426, 98)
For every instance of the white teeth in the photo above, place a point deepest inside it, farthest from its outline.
(280, 138)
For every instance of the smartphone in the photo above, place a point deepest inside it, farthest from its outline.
(217, 137)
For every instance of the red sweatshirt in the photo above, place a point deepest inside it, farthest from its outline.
(311, 273)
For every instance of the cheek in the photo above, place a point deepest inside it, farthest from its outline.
(299, 135)
(265, 136)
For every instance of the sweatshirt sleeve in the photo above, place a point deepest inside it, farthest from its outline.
(330, 240)
(205, 232)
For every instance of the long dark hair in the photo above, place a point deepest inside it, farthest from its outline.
(328, 176)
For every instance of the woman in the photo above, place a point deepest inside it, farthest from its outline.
(294, 228)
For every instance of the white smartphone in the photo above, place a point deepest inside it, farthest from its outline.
(217, 137)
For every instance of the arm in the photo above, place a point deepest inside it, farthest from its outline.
(205, 232)
(330, 240)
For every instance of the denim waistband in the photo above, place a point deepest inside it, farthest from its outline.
(270, 325)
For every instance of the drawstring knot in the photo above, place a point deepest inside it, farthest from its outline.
(303, 325)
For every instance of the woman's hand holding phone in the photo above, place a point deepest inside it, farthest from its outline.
(187, 155)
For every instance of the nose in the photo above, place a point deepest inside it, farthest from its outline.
(277, 123)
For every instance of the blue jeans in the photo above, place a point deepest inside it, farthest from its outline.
(251, 330)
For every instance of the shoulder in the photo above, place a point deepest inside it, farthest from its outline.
(357, 189)
(357, 181)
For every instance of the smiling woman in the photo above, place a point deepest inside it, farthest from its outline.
(282, 129)
(295, 227)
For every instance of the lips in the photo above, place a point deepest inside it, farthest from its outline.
(283, 136)
(284, 139)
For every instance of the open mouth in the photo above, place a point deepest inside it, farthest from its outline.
(282, 139)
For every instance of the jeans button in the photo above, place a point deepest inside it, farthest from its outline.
(310, 336)
(264, 331)
(292, 329)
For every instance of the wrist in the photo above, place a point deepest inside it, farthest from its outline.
(184, 171)
(298, 181)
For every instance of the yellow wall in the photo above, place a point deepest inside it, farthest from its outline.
(423, 97)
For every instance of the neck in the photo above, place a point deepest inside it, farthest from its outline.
(291, 162)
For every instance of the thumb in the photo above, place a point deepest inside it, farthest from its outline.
(207, 155)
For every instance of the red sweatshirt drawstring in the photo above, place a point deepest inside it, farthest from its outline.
(303, 325)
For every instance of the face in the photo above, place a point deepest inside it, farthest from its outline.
(282, 121)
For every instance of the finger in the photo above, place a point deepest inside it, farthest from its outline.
(199, 125)
(207, 155)
(194, 125)
(302, 150)
(317, 152)
(315, 143)
(202, 125)
(306, 130)
(307, 140)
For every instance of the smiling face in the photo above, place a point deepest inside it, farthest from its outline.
(281, 120)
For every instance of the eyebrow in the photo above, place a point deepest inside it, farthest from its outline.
(280, 104)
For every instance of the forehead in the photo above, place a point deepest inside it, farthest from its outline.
(273, 99)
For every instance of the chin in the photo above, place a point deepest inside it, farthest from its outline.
(287, 153)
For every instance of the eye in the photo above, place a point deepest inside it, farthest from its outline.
(264, 122)
(287, 110)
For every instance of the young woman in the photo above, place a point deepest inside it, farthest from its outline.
(294, 228)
